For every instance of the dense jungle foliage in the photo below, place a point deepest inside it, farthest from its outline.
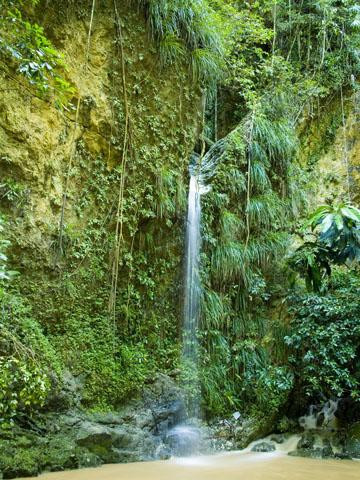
(280, 312)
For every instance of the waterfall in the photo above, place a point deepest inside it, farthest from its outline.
(186, 439)
(201, 170)
(192, 292)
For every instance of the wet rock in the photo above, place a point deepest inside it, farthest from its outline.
(165, 400)
(252, 429)
(183, 440)
(352, 442)
(342, 456)
(323, 452)
(93, 436)
(114, 444)
(163, 452)
(278, 438)
(263, 447)
(327, 451)
(108, 418)
(307, 441)
(306, 453)
(67, 395)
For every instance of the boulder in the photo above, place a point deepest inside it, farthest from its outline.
(307, 441)
(252, 429)
(278, 438)
(342, 456)
(263, 447)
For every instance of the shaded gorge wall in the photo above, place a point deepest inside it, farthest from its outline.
(65, 286)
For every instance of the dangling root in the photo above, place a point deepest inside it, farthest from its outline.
(247, 213)
(126, 146)
(72, 143)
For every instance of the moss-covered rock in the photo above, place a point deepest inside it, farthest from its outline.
(263, 447)
(352, 443)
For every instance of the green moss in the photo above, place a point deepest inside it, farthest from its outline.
(30, 455)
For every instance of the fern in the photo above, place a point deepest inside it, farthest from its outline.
(171, 49)
(186, 30)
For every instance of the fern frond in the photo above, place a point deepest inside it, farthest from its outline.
(171, 50)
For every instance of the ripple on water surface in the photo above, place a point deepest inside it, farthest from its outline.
(228, 466)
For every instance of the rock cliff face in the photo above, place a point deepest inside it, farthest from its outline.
(65, 183)
(330, 150)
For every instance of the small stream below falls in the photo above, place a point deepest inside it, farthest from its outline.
(226, 466)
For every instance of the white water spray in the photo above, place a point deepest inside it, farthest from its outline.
(192, 294)
(201, 172)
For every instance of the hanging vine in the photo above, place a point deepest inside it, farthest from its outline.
(345, 149)
(125, 151)
(73, 141)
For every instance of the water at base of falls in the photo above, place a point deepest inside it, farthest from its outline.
(184, 440)
(229, 466)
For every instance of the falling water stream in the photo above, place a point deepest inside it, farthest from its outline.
(192, 292)
(201, 171)
(187, 437)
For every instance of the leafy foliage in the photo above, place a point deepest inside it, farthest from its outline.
(324, 339)
(339, 231)
(337, 242)
(322, 36)
(187, 30)
(32, 53)
(239, 251)
(26, 357)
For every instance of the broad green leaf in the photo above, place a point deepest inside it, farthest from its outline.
(352, 213)
(339, 221)
(327, 222)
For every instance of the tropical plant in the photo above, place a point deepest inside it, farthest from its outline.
(337, 242)
(338, 230)
(324, 340)
(25, 44)
(190, 31)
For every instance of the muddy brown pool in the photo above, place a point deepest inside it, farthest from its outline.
(227, 466)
